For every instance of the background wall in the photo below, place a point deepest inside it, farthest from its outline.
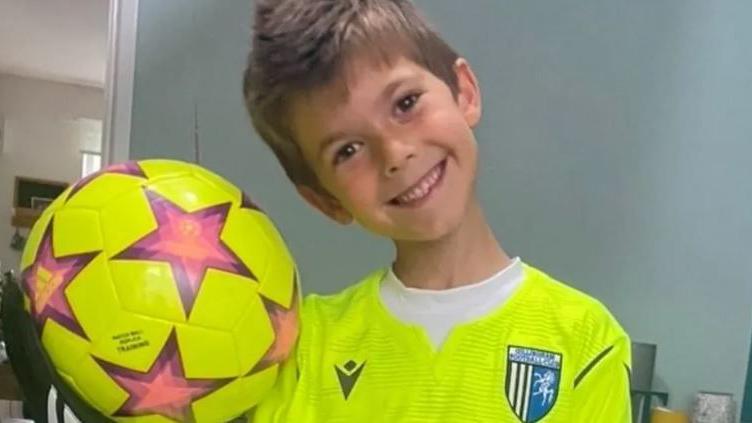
(45, 128)
(615, 145)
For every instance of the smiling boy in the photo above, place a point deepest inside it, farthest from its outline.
(371, 114)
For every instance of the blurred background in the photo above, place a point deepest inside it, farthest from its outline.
(615, 145)
(53, 59)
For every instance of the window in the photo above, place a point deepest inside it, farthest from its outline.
(91, 161)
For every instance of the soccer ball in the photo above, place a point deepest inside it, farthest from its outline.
(161, 293)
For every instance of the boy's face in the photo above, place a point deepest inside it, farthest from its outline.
(393, 148)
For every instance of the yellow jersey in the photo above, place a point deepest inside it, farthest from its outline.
(548, 354)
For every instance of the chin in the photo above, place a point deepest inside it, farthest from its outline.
(425, 229)
(429, 231)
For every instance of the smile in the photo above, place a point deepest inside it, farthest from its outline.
(422, 188)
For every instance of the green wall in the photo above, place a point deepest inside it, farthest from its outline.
(616, 145)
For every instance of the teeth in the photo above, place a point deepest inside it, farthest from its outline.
(422, 188)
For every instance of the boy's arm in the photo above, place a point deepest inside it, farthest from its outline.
(601, 388)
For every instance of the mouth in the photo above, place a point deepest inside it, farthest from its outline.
(421, 190)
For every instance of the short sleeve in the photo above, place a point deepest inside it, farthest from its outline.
(601, 388)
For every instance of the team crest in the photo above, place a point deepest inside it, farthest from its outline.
(532, 384)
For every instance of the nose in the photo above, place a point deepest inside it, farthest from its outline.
(397, 154)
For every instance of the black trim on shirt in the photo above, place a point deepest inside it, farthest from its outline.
(592, 364)
(629, 373)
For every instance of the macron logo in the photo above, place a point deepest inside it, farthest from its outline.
(348, 375)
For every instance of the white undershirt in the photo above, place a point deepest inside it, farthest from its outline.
(438, 311)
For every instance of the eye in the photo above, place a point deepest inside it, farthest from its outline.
(407, 103)
(346, 151)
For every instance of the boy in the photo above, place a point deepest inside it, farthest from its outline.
(371, 115)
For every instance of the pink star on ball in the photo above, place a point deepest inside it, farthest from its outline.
(285, 323)
(46, 280)
(163, 389)
(190, 242)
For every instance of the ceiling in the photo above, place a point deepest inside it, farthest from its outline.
(58, 40)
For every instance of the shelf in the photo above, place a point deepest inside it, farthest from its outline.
(24, 217)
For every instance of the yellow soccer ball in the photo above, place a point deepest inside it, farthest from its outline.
(161, 293)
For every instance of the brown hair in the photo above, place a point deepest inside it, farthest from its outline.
(300, 45)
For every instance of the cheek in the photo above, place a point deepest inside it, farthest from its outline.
(450, 131)
(445, 123)
(356, 188)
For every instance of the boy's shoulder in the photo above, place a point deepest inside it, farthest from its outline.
(345, 306)
(549, 289)
(572, 308)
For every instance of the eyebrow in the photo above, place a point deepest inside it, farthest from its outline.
(386, 93)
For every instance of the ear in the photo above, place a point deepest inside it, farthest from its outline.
(468, 93)
(325, 203)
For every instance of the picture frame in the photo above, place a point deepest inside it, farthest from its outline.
(26, 189)
(31, 196)
(40, 203)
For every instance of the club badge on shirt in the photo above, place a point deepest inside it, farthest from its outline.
(532, 382)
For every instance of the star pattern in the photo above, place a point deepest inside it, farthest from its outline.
(285, 323)
(46, 280)
(189, 242)
(128, 168)
(163, 389)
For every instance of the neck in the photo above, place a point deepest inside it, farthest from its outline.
(465, 256)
